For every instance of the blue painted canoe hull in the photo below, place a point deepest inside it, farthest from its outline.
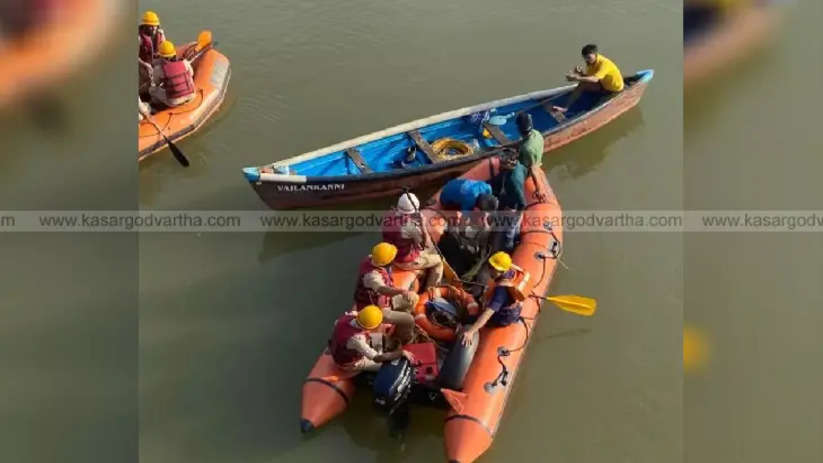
(331, 175)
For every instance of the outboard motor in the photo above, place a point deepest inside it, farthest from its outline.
(396, 380)
(393, 384)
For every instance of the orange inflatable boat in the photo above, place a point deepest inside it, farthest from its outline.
(37, 58)
(211, 80)
(474, 412)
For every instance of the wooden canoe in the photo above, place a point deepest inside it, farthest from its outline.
(375, 165)
(474, 413)
(211, 80)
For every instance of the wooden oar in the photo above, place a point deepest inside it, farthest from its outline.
(174, 149)
(579, 305)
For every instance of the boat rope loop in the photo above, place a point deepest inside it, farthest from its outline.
(503, 377)
(554, 252)
(445, 148)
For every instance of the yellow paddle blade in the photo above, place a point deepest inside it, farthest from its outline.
(580, 305)
(203, 39)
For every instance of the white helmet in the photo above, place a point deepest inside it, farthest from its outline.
(408, 203)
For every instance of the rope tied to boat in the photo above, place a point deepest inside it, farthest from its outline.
(450, 148)
(503, 377)
(554, 252)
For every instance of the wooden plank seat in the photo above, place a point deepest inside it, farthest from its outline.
(497, 134)
(424, 146)
(549, 107)
(357, 159)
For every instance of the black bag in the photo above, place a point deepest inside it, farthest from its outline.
(392, 384)
(443, 313)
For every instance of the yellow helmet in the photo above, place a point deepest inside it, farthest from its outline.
(383, 254)
(166, 49)
(150, 18)
(501, 261)
(370, 317)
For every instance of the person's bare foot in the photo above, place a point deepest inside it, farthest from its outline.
(560, 109)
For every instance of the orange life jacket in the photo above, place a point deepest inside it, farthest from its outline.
(454, 295)
(515, 283)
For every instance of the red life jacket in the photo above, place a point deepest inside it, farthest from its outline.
(177, 80)
(364, 296)
(149, 44)
(146, 51)
(407, 248)
(344, 330)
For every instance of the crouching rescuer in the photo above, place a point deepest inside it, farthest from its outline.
(504, 293)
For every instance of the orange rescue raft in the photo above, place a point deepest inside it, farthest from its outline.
(474, 414)
(211, 80)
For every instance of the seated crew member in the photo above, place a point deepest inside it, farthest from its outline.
(403, 227)
(359, 344)
(172, 78)
(375, 285)
(601, 76)
(149, 37)
(467, 243)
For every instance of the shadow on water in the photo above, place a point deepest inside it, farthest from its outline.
(223, 360)
(393, 439)
(585, 154)
(222, 354)
(44, 119)
(701, 101)
(11, 157)
(201, 150)
(50, 114)
(276, 244)
(563, 334)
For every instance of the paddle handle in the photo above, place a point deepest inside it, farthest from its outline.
(175, 151)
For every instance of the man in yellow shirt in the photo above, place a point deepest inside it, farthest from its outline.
(601, 76)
